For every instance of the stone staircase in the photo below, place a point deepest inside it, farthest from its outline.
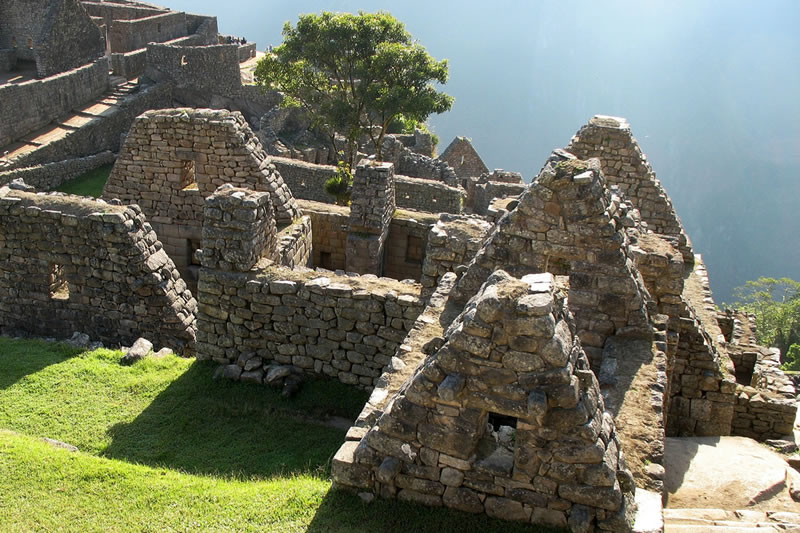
(721, 521)
(106, 104)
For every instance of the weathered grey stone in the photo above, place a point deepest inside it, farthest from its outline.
(139, 349)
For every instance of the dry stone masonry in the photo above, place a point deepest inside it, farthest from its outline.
(254, 314)
(505, 418)
(624, 165)
(556, 334)
(174, 158)
(371, 209)
(568, 223)
(70, 264)
(462, 157)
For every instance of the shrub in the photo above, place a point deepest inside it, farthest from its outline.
(339, 185)
(792, 359)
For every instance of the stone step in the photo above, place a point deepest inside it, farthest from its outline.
(670, 528)
(714, 520)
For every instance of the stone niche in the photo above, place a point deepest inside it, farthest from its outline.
(505, 418)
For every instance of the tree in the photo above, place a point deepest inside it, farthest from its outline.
(354, 74)
(776, 306)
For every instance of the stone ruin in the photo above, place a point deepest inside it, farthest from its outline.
(506, 418)
(529, 347)
(530, 370)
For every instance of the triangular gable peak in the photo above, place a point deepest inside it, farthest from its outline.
(505, 418)
(568, 223)
(464, 159)
(173, 158)
(625, 165)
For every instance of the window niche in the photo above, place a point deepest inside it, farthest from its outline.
(58, 285)
(188, 181)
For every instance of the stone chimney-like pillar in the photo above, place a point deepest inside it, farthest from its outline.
(238, 229)
(371, 209)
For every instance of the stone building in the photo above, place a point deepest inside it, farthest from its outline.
(54, 36)
(462, 156)
(528, 346)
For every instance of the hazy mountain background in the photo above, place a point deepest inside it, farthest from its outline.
(711, 89)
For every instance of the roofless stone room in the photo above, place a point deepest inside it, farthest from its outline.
(245, 286)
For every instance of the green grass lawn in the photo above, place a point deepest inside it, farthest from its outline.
(89, 184)
(163, 447)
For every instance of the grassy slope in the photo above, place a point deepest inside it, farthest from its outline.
(89, 184)
(165, 448)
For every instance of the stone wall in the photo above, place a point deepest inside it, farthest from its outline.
(420, 166)
(482, 192)
(765, 395)
(238, 229)
(624, 165)
(568, 223)
(425, 195)
(295, 243)
(372, 205)
(111, 11)
(212, 69)
(27, 106)
(253, 313)
(343, 327)
(101, 133)
(505, 418)
(329, 225)
(405, 246)
(703, 399)
(58, 35)
(247, 51)
(174, 158)
(306, 180)
(8, 59)
(49, 176)
(452, 242)
(129, 35)
(462, 157)
(70, 264)
(129, 65)
(767, 409)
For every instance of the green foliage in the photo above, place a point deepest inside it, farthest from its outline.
(89, 184)
(402, 124)
(792, 359)
(776, 306)
(355, 74)
(163, 447)
(340, 184)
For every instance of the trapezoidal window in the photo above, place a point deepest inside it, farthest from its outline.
(59, 288)
(497, 420)
(187, 176)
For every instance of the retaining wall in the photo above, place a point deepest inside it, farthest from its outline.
(49, 176)
(343, 327)
(27, 106)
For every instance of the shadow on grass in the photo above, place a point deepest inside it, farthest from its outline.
(20, 358)
(343, 511)
(236, 430)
